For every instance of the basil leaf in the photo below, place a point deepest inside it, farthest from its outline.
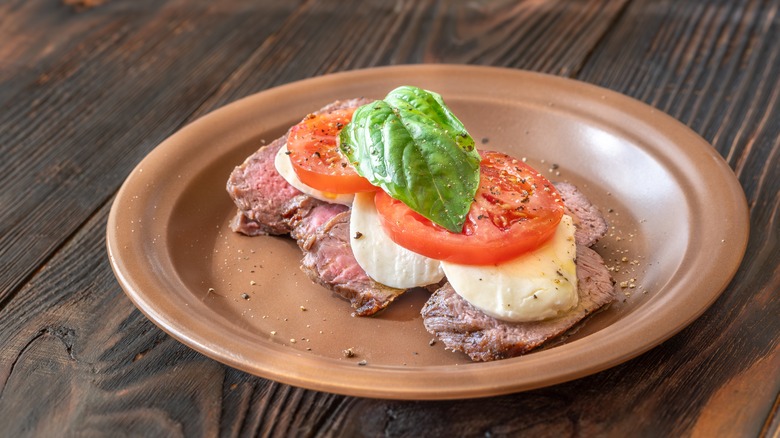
(413, 147)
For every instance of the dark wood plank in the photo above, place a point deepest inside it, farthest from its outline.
(80, 360)
(119, 80)
(553, 37)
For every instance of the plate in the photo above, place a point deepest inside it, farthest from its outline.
(678, 231)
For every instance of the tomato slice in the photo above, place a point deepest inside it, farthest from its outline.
(316, 158)
(515, 210)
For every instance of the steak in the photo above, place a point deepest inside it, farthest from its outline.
(268, 204)
(588, 221)
(264, 199)
(328, 260)
(463, 327)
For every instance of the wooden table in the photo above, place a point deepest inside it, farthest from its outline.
(89, 87)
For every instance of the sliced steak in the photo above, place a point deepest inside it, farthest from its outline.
(267, 203)
(264, 199)
(305, 227)
(328, 260)
(463, 327)
(588, 221)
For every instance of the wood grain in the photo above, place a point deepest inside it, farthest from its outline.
(92, 110)
(87, 92)
(730, 97)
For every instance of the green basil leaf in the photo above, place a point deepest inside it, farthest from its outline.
(413, 147)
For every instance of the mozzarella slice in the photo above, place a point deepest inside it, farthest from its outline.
(384, 260)
(534, 286)
(285, 169)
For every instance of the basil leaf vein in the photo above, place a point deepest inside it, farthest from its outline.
(413, 147)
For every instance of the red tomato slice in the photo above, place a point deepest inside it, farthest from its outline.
(516, 210)
(316, 158)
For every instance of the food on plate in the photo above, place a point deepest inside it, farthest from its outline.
(463, 327)
(268, 204)
(387, 195)
(508, 215)
(388, 262)
(536, 285)
(315, 158)
(411, 146)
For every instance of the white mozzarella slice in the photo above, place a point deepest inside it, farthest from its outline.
(285, 169)
(384, 260)
(534, 286)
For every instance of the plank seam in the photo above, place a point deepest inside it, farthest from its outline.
(13, 291)
(209, 101)
(575, 72)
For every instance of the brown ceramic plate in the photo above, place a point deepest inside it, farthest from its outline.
(678, 232)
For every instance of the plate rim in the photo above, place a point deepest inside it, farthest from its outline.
(360, 381)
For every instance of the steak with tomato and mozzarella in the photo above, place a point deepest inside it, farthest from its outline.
(268, 204)
(463, 327)
(518, 235)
